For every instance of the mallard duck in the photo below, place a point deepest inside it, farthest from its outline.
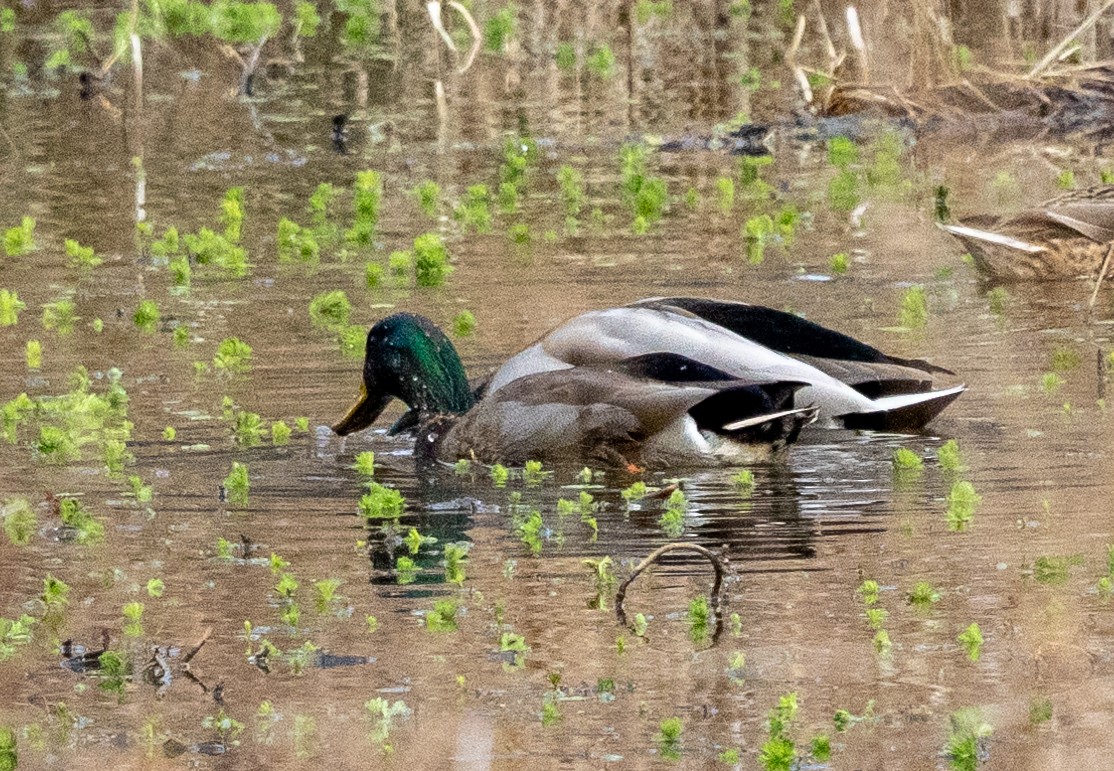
(1068, 237)
(657, 382)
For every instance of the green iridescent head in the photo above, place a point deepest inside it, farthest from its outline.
(409, 358)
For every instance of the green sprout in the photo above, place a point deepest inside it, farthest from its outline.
(907, 461)
(962, 502)
(699, 613)
(19, 521)
(966, 739)
(280, 433)
(381, 502)
(210, 248)
(914, 308)
(56, 593)
(971, 641)
(143, 493)
(464, 324)
(431, 260)
(81, 256)
(869, 590)
(839, 263)
(669, 738)
(34, 354)
(232, 213)
(456, 555)
(233, 355)
(923, 595)
(330, 310)
(406, 570)
(530, 532)
(10, 307)
(565, 56)
(133, 615)
(147, 316)
(744, 482)
(367, 198)
(601, 62)
(59, 315)
(500, 29)
(428, 196)
(443, 616)
(603, 579)
(500, 474)
(949, 456)
(114, 671)
(237, 484)
(672, 522)
(20, 240)
(365, 464)
(415, 541)
(156, 587)
(326, 593)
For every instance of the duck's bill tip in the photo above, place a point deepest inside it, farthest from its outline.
(361, 415)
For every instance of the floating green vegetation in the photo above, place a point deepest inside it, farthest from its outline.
(147, 316)
(500, 28)
(381, 502)
(233, 355)
(1040, 710)
(60, 316)
(280, 433)
(210, 248)
(415, 541)
(844, 720)
(725, 194)
(464, 324)
(758, 233)
(428, 196)
(914, 308)
(967, 738)
(330, 310)
(842, 152)
(533, 473)
(882, 643)
(156, 588)
(20, 240)
(970, 639)
(601, 61)
(237, 484)
(923, 595)
(443, 616)
(962, 502)
(57, 446)
(603, 580)
(565, 56)
(456, 556)
(500, 474)
(56, 593)
(33, 353)
(843, 191)
(384, 713)
(431, 260)
(114, 671)
(365, 464)
(116, 456)
(699, 613)
(474, 209)
(531, 531)
(905, 461)
(669, 738)
(296, 243)
(326, 593)
(869, 590)
(367, 196)
(19, 521)
(143, 493)
(571, 183)
(9, 757)
(373, 275)
(672, 522)
(1065, 359)
(10, 306)
(519, 233)
(133, 619)
(84, 527)
(750, 176)
(551, 713)
(1105, 584)
(247, 428)
(636, 492)
(876, 617)
(1050, 382)
(885, 173)
(779, 752)
(167, 246)
(647, 10)
(406, 570)
(81, 256)
(1055, 570)
(1065, 180)
(232, 213)
(645, 195)
(286, 586)
(14, 634)
(949, 456)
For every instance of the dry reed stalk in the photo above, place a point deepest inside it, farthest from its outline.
(1057, 50)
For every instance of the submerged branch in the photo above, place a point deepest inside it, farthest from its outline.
(652, 557)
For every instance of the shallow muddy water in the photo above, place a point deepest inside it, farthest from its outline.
(824, 517)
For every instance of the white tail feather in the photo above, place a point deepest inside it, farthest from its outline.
(738, 425)
(993, 238)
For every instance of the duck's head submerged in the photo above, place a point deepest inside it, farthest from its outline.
(409, 358)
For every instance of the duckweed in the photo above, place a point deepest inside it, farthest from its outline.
(280, 433)
(330, 310)
(146, 316)
(133, 617)
(431, 260)
(967, 736)
(443, 616)
(669, 738)
(367, 196)
(406, 570)
(10, 307)
(60, 316)
(905, 461)
(474, 210)
(971, 641)
(365, 464)
(914, 308)
(19, 521)
(962, 502)
(233, 355)
(33, 353)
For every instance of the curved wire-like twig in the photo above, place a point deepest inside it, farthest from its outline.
(477, 36)
(652, 557)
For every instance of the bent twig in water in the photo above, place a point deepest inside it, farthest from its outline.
(717, 582)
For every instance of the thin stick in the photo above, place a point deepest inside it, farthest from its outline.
(1051, 57)
(858, 40)
(653, 556)
(474, 28)
(1102, 275)
(193, 651)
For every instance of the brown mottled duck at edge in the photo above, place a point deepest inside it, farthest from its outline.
(1069, 237)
